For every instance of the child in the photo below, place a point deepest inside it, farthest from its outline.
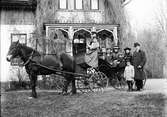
(129, 75)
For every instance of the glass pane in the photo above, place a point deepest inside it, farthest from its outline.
(22, 39)
(15, 38)
(63, 4)
(70, 4)
(78, 4)
(94, 4)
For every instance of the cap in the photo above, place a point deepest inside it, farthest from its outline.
(136, 44)
(115, 47)
(127, 48)
(93, 32)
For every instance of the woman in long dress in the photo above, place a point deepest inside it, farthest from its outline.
(91, 57)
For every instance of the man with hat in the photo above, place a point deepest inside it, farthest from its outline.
(115, 56)
(139, 60)
(128, 55)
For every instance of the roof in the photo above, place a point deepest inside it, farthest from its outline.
(18, 4)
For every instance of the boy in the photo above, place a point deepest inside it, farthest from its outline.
(129, 75)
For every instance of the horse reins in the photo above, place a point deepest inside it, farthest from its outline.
(30, 57)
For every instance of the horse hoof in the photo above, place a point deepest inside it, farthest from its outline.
(30, 98)
(73, 93)
(65, 94)
(59, 93)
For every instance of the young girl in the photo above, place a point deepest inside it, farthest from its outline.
(129, 75)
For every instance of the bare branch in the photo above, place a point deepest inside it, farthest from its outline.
(126, 2)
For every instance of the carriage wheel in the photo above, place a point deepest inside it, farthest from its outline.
(98, 81)
(56, 82)
(119, 82)
(83, 85)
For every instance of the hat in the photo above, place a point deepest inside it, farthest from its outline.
(128, 60)
(127, 48)
(115, 47)
(136, 44)
(93, 32)
(80, 36)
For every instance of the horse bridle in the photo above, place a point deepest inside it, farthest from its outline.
(29, 59)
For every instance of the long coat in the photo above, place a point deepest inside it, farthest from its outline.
(139, 58)
(91, 57)
(128, 57)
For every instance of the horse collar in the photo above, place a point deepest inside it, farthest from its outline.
(29, 58)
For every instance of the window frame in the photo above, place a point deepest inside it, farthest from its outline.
(17, 61)
(63, 8)
(76, 4)
(91, 5)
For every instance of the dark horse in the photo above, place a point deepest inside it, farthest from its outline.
(34, 61)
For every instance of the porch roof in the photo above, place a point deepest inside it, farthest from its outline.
(97, 25)
(18, 4)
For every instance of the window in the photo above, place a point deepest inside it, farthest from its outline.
(23, 40)
(63, 4)
(21, 37)
(78, 4)
(94, 4)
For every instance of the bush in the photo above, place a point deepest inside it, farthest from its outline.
(16, 85)
(51, 82)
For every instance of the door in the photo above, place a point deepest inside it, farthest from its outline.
(79, 44)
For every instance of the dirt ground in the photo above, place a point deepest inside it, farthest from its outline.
(111, 103)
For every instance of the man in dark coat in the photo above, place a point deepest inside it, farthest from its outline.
(139, 60)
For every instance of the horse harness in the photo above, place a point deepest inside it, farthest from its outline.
(29, 59)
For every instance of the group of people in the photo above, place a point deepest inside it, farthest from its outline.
(134, 63)
(134, 70)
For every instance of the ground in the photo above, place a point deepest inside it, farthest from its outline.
(110, 103)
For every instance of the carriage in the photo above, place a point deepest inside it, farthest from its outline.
(106, 74)
(89, 79)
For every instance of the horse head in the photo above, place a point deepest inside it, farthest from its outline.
(14, 51)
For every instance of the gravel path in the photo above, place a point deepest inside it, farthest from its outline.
(157, 86)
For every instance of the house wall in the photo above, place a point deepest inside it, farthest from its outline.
(17, 17)
(13, 21)
(86, 15)
(49, 11)
(80, 17)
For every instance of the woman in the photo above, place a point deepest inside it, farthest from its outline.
(91, 57)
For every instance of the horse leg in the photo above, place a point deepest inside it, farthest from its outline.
(74, 91)
(65, 88)
(33, 80)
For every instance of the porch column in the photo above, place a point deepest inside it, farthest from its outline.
(115, 36)
(71, 35)
(93, 29)
(47, 29)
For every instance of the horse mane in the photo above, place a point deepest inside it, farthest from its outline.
(37, 53)
(30, 49)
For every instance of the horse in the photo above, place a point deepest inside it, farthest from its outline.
(34, 62)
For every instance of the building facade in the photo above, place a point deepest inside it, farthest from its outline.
(17, 22)
(64, 22)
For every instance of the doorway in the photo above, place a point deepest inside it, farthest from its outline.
(80, 39)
